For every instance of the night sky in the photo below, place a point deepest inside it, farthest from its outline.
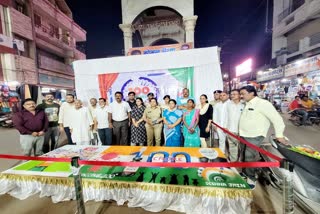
(236, 26)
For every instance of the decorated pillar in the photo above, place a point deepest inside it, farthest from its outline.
(127, 36)
(189, 25)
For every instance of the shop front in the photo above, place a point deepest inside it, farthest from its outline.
(271, 82)
(9, 100)
(304, 76)
(274, 87)
(58, 84)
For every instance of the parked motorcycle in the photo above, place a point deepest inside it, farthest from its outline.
(313, 118)
(306, 175)
(6, 121)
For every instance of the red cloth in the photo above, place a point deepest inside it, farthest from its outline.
(13, 100)
(294, 105)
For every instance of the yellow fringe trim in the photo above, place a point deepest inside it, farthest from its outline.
(108, 184)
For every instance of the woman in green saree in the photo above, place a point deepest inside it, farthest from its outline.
(191, 131)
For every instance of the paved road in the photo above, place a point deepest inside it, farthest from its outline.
(303, 135)
(266, 199)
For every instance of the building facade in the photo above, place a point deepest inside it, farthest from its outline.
(296, 30)
(157, 22)
(40, 43)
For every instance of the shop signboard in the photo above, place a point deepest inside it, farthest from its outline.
(160, 49)
(56, 81)
(303, 66)
(270, 75)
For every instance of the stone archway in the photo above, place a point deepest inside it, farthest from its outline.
(157, 23)
(132, 11)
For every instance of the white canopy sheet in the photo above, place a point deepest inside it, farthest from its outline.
(206, 63)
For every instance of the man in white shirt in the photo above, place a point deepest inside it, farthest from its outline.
(81, 124)
(254, 125)
(65, 116)
(219, 117)
(102, 122)
(119, 119)
(92, 109)
(234, 110)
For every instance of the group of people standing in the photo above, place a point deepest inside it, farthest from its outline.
(134, 122)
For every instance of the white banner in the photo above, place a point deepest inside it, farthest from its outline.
(205, 61)
(160, 83)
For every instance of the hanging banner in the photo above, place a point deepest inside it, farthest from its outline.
(197, 69)
(11, 42)
(159, 49)
(303, 66)
(160, 82)
(270, 75)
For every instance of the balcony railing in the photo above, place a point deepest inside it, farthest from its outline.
(53, 65)
(315, 39)
(45, 7)
(21, 24)
(58, 39)
(293, 7)
(293, 48)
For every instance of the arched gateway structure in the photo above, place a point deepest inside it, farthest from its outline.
(146, 22)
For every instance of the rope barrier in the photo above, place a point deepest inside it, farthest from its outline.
(277, 163)
(145, 164)
(262, 151)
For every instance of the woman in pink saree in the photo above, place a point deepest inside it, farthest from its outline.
(191, 131)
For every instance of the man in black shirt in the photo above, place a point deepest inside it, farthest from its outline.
(132, 99)
(52, 111)
(132, 103)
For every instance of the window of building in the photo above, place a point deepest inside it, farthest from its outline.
(295, 4)
(26, 52)
(20, 5)
(37, 20)
(50, 55)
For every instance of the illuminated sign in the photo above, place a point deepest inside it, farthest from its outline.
(244, 68)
